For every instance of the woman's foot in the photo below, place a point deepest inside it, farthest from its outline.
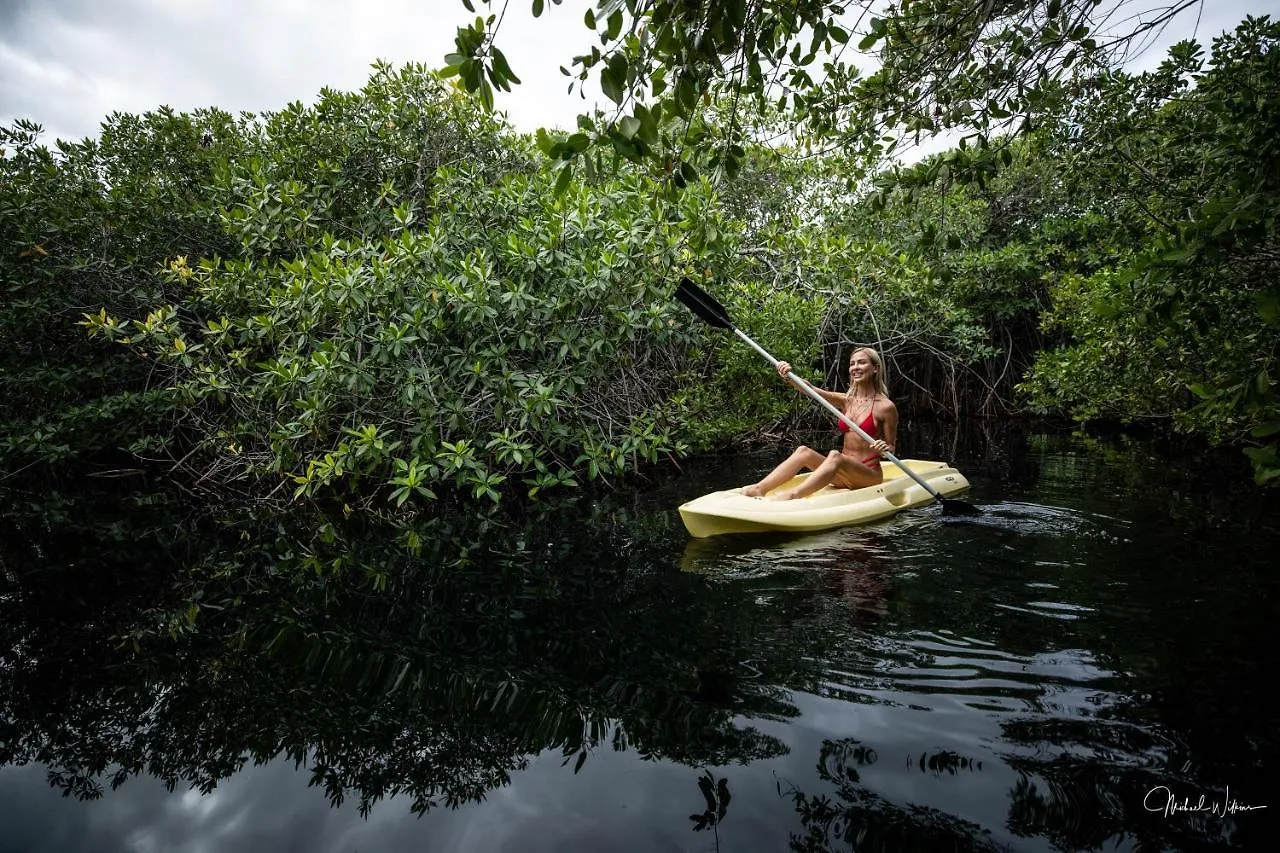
(753, 491)
(783, 496)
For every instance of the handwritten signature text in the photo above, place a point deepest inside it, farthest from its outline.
(1162, 799)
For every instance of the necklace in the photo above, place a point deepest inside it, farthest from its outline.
(861, 405)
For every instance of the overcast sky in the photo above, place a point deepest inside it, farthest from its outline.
(67, 64)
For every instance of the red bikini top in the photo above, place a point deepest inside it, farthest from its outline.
(868, 424)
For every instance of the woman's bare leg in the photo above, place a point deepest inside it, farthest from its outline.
(838, 469)
(802, 458)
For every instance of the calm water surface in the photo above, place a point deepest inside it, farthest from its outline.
(1043, 677)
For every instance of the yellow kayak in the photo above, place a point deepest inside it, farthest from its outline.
(731, 511)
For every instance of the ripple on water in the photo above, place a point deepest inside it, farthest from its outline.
(1050, 609)
(1031, 519)
(935, 671)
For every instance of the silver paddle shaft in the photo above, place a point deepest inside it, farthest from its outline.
(818, 398)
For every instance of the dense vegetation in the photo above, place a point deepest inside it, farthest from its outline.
(389, 297)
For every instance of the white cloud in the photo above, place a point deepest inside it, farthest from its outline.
(67, 64)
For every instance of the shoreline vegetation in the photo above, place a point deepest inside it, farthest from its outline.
(390, 299)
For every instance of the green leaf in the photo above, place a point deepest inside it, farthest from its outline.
(1266, 430)
(625, 147)
(537, 8)
(1268, 307)
(613, 77)
(500, 65)
(686, 95)
(648, 132)
(562, 181)
(1180, 254)
(544, 141)
(453, 68)
(629, 126)
(610, 85)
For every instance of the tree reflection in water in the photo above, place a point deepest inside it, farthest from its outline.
(144, 641)
(141, 635)
(856, 818)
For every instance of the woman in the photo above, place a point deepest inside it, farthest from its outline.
(857, 463)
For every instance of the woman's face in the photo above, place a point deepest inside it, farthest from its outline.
(861, 366)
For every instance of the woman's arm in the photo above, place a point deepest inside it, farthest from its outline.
(835, 398)
(888, 417)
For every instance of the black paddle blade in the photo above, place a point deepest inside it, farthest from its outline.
(703, 304)
(950, 506)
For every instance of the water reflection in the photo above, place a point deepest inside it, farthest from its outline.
(857, 818)
(1018, 683)
(437, 690)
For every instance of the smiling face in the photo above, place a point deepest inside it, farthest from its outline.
(862, 367)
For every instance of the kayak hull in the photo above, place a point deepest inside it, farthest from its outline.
(730, 511)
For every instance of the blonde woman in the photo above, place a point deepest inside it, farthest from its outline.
(857, 463)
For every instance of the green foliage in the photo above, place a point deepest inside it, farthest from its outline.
(731, 392)
(1185, 325)
(812, 274)
(86, 227)
(390, 299)
(396, 325)
(940, 64)
(949, 277)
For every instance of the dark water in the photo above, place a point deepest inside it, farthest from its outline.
(175, 676)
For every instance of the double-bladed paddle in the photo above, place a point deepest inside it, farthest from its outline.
(706, 308)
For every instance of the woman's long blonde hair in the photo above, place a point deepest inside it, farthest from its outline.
(882, 385)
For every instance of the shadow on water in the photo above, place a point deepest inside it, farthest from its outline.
(1025, 679)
